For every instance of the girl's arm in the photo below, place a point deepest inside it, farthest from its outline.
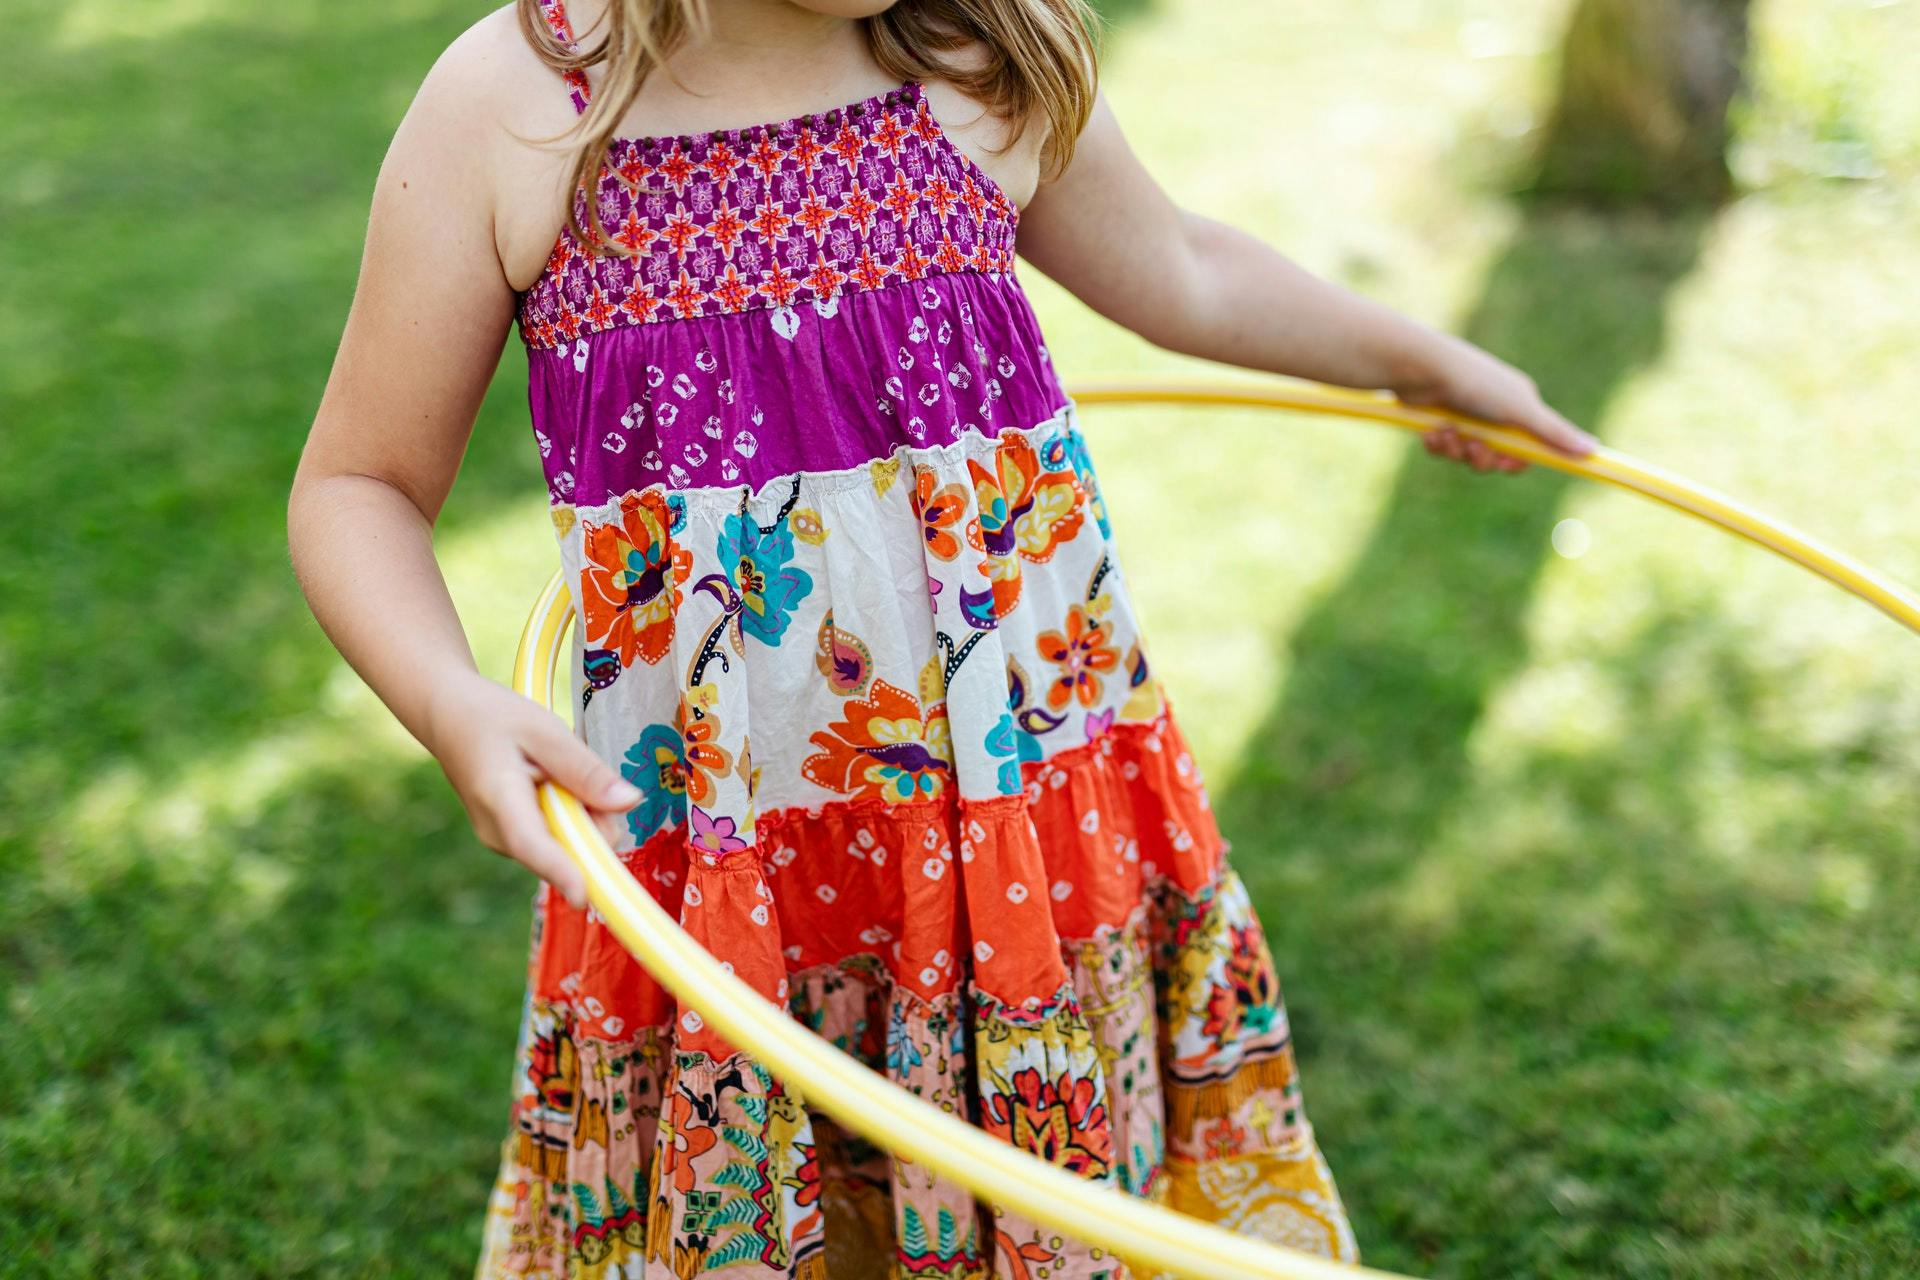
(1108, 233)
(422, 340)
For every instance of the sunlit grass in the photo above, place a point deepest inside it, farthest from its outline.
(345, 728)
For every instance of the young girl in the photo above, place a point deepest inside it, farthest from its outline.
(861, 693)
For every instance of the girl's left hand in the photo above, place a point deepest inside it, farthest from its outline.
(1468, 380)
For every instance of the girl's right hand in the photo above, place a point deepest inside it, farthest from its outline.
(495, 745)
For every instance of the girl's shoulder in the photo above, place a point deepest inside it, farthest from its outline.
(1000, 145)
(490, 79)
(502, 115)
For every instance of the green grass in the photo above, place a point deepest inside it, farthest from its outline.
(1591, 880)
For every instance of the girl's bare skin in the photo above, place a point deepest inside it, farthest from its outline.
(465, 211)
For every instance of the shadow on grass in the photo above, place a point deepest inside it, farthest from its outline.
(1640, 1003)
(1392, 670)
(1555, 1053)
(1364, 759)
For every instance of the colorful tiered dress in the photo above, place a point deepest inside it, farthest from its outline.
(850, 617)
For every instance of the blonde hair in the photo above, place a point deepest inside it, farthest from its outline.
(1042, 59)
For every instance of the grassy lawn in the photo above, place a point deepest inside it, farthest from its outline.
(1592, 879)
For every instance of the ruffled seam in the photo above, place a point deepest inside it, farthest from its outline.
(1158, 731)
(874, 967)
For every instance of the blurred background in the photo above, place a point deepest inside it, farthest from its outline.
(1585, 835)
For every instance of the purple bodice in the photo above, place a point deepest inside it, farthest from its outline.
(806, 295)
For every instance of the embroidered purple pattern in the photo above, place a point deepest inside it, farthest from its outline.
(771, 216)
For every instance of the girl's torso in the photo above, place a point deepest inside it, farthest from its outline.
(834, 537)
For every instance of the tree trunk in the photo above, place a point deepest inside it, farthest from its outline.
(1644, 90)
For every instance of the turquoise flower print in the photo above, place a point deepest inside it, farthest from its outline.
(759, 564)
(656, 764)
(1029, 745)
(1004, 743)
(1082, 462)
(902, 1052)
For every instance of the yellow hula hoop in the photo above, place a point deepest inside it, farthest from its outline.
(1149, 1236)
(1603, 464)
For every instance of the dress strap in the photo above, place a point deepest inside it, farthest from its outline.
(555, 12)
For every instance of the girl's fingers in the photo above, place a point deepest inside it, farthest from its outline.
(572, 764)
(1556, 431)
(1448, 442)
(523, 829)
